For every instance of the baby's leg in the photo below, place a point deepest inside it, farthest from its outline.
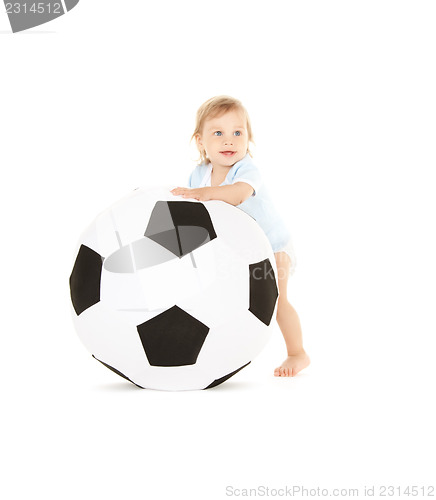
(289, 323)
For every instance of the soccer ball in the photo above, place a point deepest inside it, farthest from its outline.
(173, 294)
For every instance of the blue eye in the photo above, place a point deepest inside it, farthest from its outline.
(218, 133)
(237, 132)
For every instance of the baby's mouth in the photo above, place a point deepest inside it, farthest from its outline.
(228, 153)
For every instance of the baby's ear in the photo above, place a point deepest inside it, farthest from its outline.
(198, 141)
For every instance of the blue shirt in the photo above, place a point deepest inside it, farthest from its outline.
(259, 205)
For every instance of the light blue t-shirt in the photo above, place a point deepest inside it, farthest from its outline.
(259, 205)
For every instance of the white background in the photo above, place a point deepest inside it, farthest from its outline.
(342, 99)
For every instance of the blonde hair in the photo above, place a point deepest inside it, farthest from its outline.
(214, 107)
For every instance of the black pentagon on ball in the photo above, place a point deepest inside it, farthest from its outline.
(220, 380)
(180, 226)
(263, 290)
(116, 371)
(172, 338)
(85, 279)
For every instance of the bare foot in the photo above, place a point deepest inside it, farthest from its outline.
(292, 365)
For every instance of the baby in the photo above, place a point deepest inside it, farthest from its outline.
(226, 172)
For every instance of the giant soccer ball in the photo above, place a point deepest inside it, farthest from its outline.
(173, 294)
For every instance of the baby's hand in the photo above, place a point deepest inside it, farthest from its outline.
(201, 194)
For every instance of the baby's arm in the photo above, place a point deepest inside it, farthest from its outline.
(234, 194)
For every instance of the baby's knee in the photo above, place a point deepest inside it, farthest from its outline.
(282, 305)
